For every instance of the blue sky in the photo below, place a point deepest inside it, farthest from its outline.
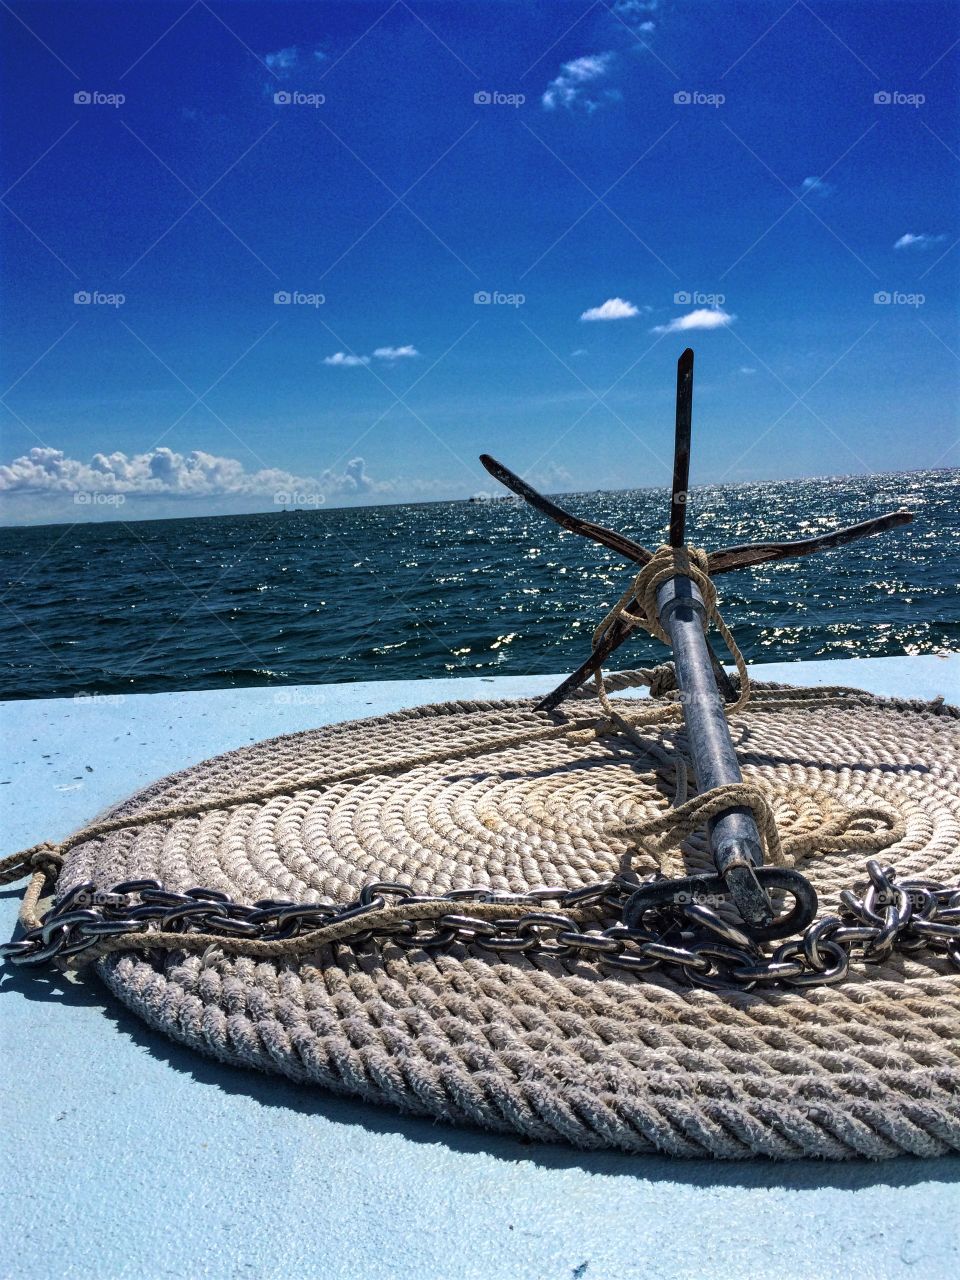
(719, 175)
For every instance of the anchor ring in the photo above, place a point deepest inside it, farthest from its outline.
(687, 889)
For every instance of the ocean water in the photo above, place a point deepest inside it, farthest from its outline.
(445, 588)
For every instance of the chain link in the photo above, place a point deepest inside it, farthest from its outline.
(687, 938)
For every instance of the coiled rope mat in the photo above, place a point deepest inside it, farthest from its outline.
(557, 1050)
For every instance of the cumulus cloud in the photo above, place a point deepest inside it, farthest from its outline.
(346, 361)
(163, 473)
(353, 479)
(922, 241)
(571, 86)
(396, 353)
(702, 318)
(612, 309)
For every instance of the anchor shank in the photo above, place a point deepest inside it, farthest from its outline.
(734, 838)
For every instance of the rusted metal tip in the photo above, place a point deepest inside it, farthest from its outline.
(749, 897)
(681, 449)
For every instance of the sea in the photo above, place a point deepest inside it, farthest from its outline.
(456, 588)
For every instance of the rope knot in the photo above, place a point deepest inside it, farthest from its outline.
(662, 680)
(39, 857)
(44, 857)
(666, 563)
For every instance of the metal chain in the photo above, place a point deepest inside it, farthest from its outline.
(685, 936)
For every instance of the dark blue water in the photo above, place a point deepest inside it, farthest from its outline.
(427, 590)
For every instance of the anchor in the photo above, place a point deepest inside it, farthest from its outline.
(704, 685)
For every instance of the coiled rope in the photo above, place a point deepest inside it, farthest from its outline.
(497, 793)
(846, 830)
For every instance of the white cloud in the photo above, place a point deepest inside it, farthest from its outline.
(346, 361)
(162, 472)
(396, 353)
(747, 369)
(816, 184)
(354, 479)
(284, 61)
(702, 318)
(635, 8)
(636, 15)
(580, 351)
(568, 89)
(551, 478)
(612, 309)
(922, 241)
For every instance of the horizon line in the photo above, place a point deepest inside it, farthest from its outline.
(432, 502)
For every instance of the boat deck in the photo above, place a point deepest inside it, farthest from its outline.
(129, 1156)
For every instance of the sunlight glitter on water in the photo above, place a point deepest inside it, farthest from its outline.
(448, 588)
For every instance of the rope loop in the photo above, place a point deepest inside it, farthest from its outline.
(659, 836)
(794, 823)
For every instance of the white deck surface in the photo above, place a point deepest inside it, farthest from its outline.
(128, 1156)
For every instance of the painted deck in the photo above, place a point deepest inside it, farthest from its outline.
(127, 1156)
